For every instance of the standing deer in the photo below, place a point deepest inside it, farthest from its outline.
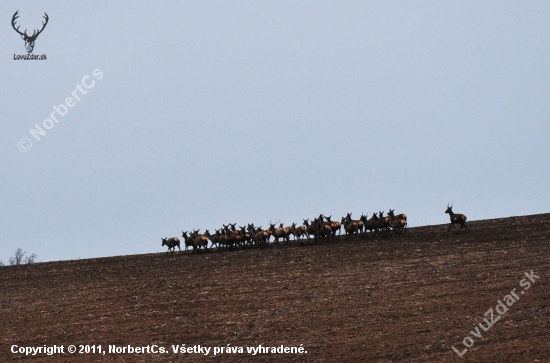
(189, 241)
(383, 222)
(279, 233)
(171, 243)
(398, 216)
(397, 224)
(246, 237)
(299, 232)
(322, 229)
(334, 226)
(259, 236)
(201, 240)
(456, 218)
(350, 226)
(310, 229)
(223, 240)
(370, 224)
(214, 238)
(358, 224)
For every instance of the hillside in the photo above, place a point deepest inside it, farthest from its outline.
(401, 299)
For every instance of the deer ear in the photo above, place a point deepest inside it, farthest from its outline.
(23, 36)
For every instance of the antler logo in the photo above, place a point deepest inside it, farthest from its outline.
(29, 40)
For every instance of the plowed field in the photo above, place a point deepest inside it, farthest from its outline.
(400, 299)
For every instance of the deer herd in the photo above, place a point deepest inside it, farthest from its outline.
(317, 230)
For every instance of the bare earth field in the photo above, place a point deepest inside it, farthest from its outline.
(400, 299)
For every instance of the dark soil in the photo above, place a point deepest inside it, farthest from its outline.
(396, 299)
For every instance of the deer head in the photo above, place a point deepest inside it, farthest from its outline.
(29, 40)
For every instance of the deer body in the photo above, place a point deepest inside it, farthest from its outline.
(370, 224)
(350, 226)
(383, 222)
(456, 218)
(171, 243)
(189, 241)
(279, 233)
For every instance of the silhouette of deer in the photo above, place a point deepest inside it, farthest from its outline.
(456, 218)
(29, 40)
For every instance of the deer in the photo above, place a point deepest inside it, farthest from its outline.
(230, 230)
(383, 222)
(321, 228)
(29, 40)
(251, 230)
(259, 235)
(399, 216)
(359, 225)
(214, 238)
(397, 224)
(279, 233)
(334, 226)
(456, 218)
(189, 240)
(171, 243)
(299, 232)
(290, 229)
(233, 237)
(201, 240)
(371, 224)
(350, 226)
(246, 237)
(223, 239)
(310, 229)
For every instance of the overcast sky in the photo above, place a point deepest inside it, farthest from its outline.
(211, 112)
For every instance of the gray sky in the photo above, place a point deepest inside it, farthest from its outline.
(212, 112)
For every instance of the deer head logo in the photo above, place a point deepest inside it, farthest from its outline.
(29, 40)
